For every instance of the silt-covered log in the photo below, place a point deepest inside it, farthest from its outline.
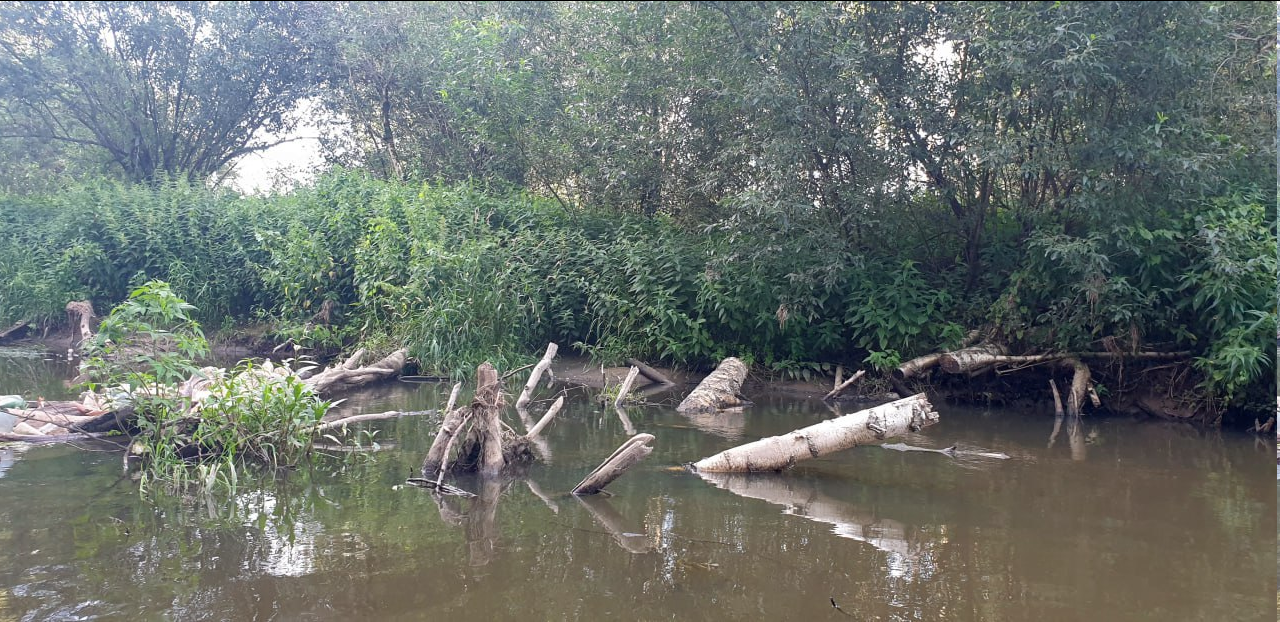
(719, 390)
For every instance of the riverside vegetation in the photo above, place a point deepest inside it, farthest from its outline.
(800, 185)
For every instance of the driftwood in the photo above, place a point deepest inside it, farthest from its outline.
(861, 428)
(974, 358)
(536, 375)
(652, 374)
(390, 414)
(844, 385)
(718, 391)
(625, 389)
(623, 458)
(349, 374)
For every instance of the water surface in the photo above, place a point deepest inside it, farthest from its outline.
(1108, 519)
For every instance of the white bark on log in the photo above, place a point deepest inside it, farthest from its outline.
(719, 390)
(844, 385)
(1079, 385)
(968, 359)
(861, 428)
(83, 309)
(916, 366)
(546, 419)
(338, 378)
(626, 456)
(453, 397)
(536, 374)
(626, 387)
(390, 414)
(439, 452)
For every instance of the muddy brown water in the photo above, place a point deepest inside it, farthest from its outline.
(1111, 519)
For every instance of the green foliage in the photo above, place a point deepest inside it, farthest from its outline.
(147, 344)
(163, 90)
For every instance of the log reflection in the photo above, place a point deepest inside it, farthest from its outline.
(613, 522)
(802, 498)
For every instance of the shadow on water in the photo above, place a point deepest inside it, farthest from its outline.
(1092, 518)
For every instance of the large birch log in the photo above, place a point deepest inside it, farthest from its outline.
(536, 374)
(916, 366)
(623, 458)
(719, 390)
(349, 374)
(864, 427)
(970, 359)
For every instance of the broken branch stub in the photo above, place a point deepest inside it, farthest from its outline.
(623, 458)
(864, 427)
(536, 374)
(718, 391)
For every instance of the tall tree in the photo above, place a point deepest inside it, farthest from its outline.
(171, 88)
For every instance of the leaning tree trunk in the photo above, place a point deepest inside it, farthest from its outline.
(718, 391)
(623, 458)
(861, 428)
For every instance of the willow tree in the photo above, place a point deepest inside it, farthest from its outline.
(163, 89)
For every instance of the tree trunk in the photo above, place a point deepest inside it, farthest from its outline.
(625, 457)
(718, 391)
(861, 428)
(969, 359)
(536, 374)
(84, 311)
(626, 387)
(916, 366)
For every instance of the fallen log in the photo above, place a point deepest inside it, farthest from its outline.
(626, 456)
(864, 427)
(652, 374)
(972, 358)
(916, 366)
(536, 375)
(13, 331)
(542, 423)
(348, 374)
(844, 385)
(718, 391)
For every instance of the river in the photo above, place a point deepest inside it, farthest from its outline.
(1102, 519)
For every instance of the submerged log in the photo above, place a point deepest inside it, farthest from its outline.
(864, 427)
(718, 391)
(390, 414)
(536, 375)
(631, 541)
(623, 458)
(973, 358)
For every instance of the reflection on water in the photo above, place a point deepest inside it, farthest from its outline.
(1089, 519)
